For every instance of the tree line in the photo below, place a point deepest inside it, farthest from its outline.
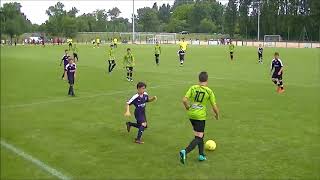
(293, 19)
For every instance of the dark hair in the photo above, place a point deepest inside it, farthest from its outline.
(141, 84)
(128, 49)
(66, 50)
(203, 76)
(111, 45)
(276, 54)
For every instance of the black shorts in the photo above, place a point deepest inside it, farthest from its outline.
(156, 55)
(112, 61)
(70, 44)
(129, 68)
(276, 76)
(198, 125)
(181, 57)
(231, 53)
(259, 55)
(75, 55)
(71, 80)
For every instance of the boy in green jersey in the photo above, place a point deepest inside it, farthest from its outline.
(231, 49)
(157, 52)
(195, 101)
(112, 59)
(75, 53)
(129, 63)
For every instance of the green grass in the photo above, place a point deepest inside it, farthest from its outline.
(261, 134)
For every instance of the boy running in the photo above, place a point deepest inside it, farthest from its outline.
(139, 100)
(195, 101)
(112, 59)
(129, 63)
(157, 52)
(260, 52)
(277, 68)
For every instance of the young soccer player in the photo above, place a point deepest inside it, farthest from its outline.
(260, 51)
(157, 52)
(129, 63)
(139, 100)
(112, 59)
(115, 42)
(195, 101)
(65, 61)
(70, 72)
(277, 68)
(75, 53)
(182, 51)
(70, 43)
(231, 50)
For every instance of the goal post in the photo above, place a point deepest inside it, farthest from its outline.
(271, 40)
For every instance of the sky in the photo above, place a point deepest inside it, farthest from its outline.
(35, 10)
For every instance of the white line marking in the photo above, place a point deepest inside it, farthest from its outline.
(35, 161)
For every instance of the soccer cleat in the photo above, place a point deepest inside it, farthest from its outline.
(128, 126)
(131, 80)
(182, 154)
(138, 141)
(202, 158)
(128, 79)
(281, 91)
(278, 90)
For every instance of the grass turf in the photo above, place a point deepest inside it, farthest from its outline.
(261, 134)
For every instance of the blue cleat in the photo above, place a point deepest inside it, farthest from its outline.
(202, 158)
(182, 156)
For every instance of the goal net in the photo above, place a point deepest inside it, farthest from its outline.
(166, 38)
(271, 40)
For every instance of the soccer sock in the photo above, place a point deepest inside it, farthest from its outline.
(193, 144)
(134, 125)
(157, 60)
(71, 87)
(69, 93)
(201, 146)
(128, 74)
(231, 57)
(140, 131)
(131, 75)
(274, 81)
(112, 67)
(62, 75)
(280, 84)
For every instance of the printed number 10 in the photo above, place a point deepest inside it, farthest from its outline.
(199, 96)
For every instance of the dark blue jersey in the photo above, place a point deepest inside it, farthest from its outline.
(139, 101)
(65, 60)
(71, 69)
(260, 50)
(276, 64)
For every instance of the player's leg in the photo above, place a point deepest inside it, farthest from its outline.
(71, 83)
(181, 59)
(280, 85)
(128, 73)
(231, 55)
(110, 64)
(63, 73)
(157, 58)
(142, 125)
(113, 64)
(131, 73)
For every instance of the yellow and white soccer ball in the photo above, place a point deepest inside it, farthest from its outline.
(210, 145)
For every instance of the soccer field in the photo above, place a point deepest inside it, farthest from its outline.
(260, 135)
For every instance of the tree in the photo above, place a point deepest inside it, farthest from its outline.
(155, 6)
(114, 13)
(230, 17)
(72, 12)
(164, 13)
(206, 26)
(101, 20)
(148, 19)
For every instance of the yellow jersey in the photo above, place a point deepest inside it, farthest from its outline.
(183, 45)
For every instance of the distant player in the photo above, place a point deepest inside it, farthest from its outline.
(139, 100)
(115, 42)
(98, 42)
(70, 72)
(182, 51)
(75, 53)
(129, 63)
(65, 61)
(112, 59)
(70, 43)
(277, 68)
(195, 101)
(157, 52)
(94, 43)
(260, 52)
(231, 50)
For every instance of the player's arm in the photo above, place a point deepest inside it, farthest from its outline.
(61, 61)
(153, 98)
(75, 72)
(160, 49)
(214, 105)
(271, 67)
(65, 74)
(127, 111)
(185, 99)
(280, 71)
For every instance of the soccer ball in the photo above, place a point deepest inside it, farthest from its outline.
(210, 145)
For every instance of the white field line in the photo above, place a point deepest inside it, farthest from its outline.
(35, 161)
(84, 97)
